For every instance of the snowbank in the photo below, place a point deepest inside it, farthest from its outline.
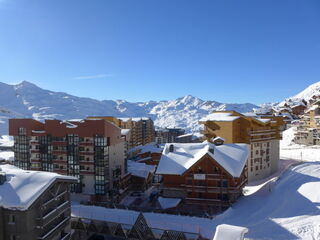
(290, 150)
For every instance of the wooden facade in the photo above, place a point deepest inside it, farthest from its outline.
(206, 183)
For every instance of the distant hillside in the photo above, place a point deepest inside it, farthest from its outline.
(30, 101)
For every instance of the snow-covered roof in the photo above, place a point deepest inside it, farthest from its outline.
(7, 155)
(6, 141)
(125, 131)
(185, 135)
(151, 147)
(232, 157)
(136, 119)
(220, 116)
(23, 187)
(140, 169)
(263, 120)
(312, 108)
(196, 225)
(125, 119)
(218, 138)
(168, 202)
(139, 119)
(230, 232)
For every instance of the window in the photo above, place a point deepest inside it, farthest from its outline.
(12, 219)
(22, 131)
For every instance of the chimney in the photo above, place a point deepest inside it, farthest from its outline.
(171, 148)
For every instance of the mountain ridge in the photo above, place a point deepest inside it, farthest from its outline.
(27, 100)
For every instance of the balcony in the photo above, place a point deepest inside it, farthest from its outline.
(53, 214)
(86, 143)
(56, 229)
(86, 153)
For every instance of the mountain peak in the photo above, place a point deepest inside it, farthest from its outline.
(25, 84)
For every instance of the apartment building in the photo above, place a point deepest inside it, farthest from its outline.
(308, 127)
(34, 205)
(262, 134)
(90, 150)
(203, 174)
(141, 129)
(168, 135)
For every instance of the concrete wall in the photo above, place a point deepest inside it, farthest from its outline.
(259, 163)
(275, 155)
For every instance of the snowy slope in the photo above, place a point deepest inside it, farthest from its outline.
(289, 211)
(304, 96)
(28, 100)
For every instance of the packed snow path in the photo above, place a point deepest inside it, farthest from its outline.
(289, 209)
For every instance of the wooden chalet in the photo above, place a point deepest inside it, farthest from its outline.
(203, 173)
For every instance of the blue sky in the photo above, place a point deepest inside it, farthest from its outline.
(225, 50)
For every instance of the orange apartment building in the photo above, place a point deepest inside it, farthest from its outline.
(90, 150)
(262, 134)
(141, 129)
(203, 174)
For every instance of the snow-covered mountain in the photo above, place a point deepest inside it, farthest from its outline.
(304, 97)
(29, 101)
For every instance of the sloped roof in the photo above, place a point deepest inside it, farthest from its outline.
(151, 147)
(232, 157)
(140, 169)
(23, 187)
(220, 117)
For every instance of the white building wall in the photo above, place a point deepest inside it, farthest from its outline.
(259, 162)
(88, 187)
(275, 155)
(116, 159)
